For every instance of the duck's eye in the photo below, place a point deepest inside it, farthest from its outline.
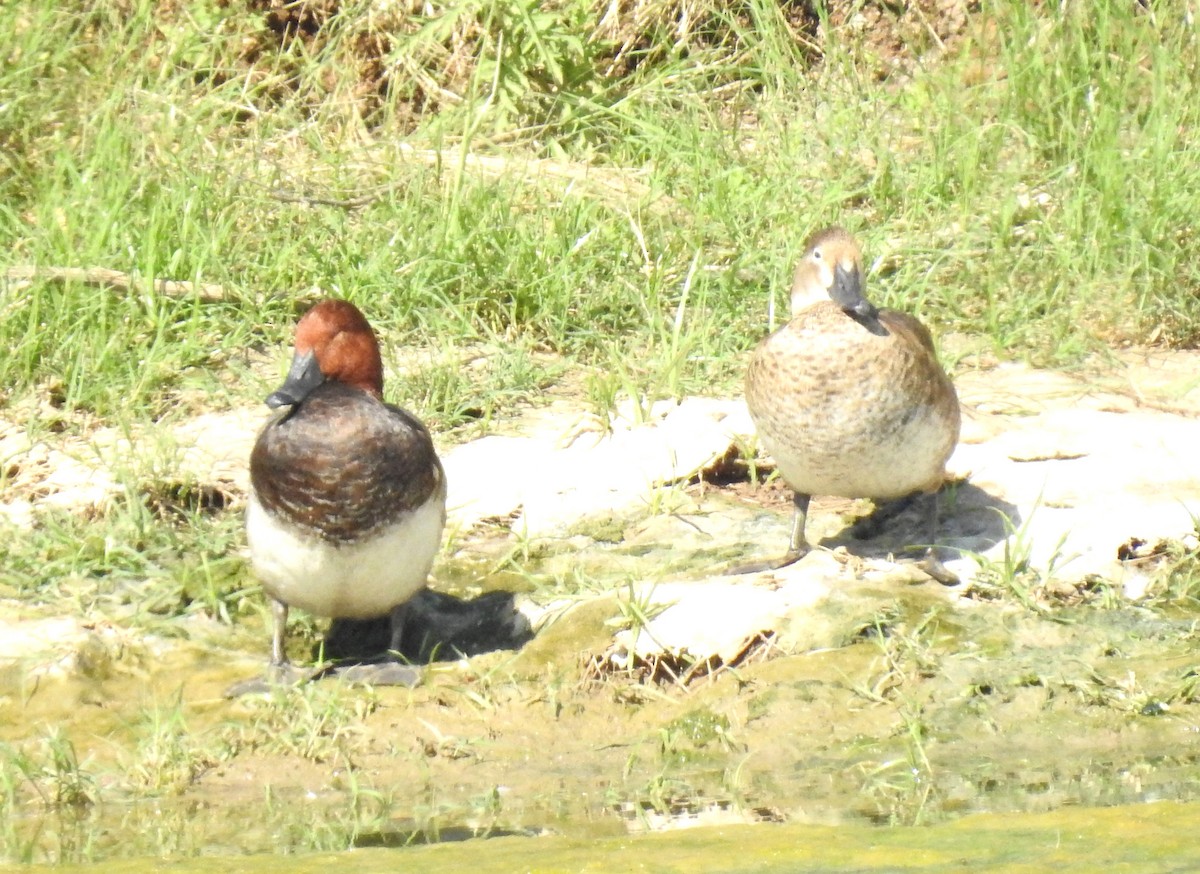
(817, 254)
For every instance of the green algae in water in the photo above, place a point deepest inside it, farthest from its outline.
(700, 727)
(1147, 838)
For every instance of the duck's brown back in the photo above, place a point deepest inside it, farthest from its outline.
(851, 409)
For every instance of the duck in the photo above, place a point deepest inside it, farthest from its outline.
(347, 499)
(850, 400)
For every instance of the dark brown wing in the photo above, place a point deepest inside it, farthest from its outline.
(908, 327)
(342, 464)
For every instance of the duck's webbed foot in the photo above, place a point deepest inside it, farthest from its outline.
(933, 566)
(390, 671)
(766, 564)
(797, 546)
(278, 676)
(380, 674)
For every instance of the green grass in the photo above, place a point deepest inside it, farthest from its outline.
(1041, 205)
(129, 562)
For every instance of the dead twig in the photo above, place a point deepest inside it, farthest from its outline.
(20, 277)
(678, 669)
(344, 203)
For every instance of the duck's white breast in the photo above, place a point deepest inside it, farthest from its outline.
(352, 580)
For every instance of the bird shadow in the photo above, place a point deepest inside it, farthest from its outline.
(437, 627)
(971, 520)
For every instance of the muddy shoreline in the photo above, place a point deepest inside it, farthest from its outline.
(843, 691)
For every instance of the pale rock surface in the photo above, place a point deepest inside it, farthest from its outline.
(1078, 466)
(558, 473)
(60, 646)
(1087, 468)
(85, 474)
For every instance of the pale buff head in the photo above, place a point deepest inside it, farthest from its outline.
(831, 270)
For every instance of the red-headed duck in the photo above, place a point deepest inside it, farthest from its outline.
(348, 497)
(850, 400)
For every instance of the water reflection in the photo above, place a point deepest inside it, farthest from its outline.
(180, 828)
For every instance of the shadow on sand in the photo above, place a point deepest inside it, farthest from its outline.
(438, 627)
(970, 521)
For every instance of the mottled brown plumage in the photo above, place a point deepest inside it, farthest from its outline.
(849, 400)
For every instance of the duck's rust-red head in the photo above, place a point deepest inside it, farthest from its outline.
(334, 342)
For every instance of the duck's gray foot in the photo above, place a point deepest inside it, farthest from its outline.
(387, 671)
(933, 566)
(277, 677)
(380, 674)
(768, 564)
(797, 545)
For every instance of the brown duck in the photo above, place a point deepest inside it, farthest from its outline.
(849, 399)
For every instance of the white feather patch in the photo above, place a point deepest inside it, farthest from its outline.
(351, 581)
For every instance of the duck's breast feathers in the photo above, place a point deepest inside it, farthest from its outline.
(827, 320)
(828, 357)
(343, 465)
(886, 333)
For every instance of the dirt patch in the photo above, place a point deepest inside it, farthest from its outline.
(899, 36)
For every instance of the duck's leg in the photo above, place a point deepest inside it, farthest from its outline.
(392, 671)
(280, 672)
(398, 616)
(931, 564)
(870, 526)
(797, 544)
(279, 614)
